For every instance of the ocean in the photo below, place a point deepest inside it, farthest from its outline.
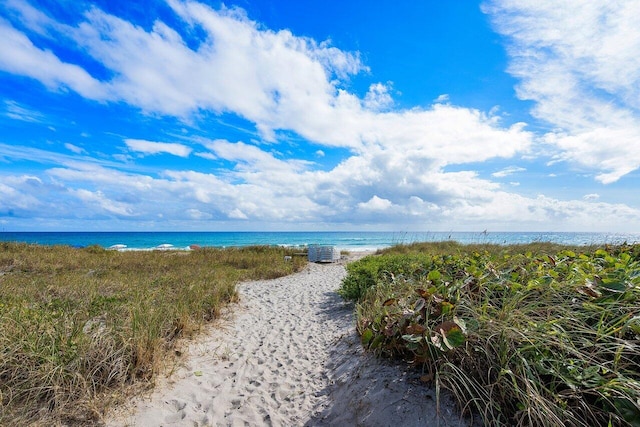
(351, 241)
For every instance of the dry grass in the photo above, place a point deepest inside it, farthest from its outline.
(78, 327)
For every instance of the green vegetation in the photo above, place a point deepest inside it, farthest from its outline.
(534, 335)
(80, 327)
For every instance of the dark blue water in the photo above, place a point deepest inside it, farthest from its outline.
(354, 241)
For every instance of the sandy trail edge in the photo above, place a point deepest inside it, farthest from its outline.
(288, 356)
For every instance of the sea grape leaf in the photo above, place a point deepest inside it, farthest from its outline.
(461, 324)
(454, 338)
(415, 329)
(389, 329)
(412, 338)
(589, 290)
(376, 342)
(366, 337)
(424, 294)
(446, 307)
(449, 334)
(434, 275)
(613, 285)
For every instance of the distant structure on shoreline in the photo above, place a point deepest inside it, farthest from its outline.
(318, 253)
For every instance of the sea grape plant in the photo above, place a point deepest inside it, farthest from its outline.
(524, 337)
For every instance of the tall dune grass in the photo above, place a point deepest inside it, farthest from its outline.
(80, 326)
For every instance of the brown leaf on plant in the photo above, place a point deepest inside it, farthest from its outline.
(437, 310)
(424, 294)
(589, 290)
(415, 329)
(389, 329)
(445, 327)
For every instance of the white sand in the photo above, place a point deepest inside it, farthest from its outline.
(288, 356)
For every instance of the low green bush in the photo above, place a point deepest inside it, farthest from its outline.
(530, 336)
(370, 270)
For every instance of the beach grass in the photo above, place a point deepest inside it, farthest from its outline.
(81, 328)
(523, 335)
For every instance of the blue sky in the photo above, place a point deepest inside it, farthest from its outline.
(320, 115)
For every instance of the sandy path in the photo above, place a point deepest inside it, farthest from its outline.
(288, 357)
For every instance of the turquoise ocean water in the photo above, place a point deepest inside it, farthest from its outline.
(353, 241)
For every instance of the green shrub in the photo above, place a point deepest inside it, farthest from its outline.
(524, 335)
(367, 272)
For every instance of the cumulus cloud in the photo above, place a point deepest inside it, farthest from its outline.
(153, 147)
(274, 79)
(17, 195)
(440, 200)
(580, 63)
(270, 78)
(237, 214)
(378, 97)
(20, 56)
(98, 198)
(375, 204)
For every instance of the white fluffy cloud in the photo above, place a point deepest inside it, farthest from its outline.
(103, 202)
(376, 204)
(15, 194)
(20, 56)
(378, 97)
(580, 63)
(439, 201)
(270, 78)
(274, 79)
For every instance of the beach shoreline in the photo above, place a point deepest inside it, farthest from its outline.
(287, 355)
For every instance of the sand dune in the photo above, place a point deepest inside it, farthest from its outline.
(287, 356)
